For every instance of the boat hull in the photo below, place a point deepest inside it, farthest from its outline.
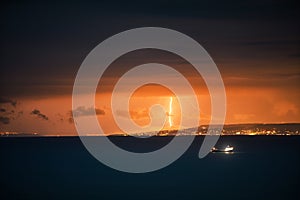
(226, 150)
(221, 151)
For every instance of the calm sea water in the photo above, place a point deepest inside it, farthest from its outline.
(263, 167)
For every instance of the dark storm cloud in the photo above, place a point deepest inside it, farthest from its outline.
(7, 115)
(295, 55)
(4, 120)
(39, 114)
(4, 100)
(274, 42)
(43, 45)
(211, 9)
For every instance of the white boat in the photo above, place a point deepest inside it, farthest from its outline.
(227, 149)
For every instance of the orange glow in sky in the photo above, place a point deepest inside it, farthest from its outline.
(251, 105)
(249, 100)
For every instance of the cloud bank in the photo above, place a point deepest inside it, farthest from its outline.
(39, 114)
(82, 111)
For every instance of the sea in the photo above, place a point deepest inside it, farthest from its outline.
(261, 167)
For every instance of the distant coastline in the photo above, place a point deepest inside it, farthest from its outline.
(228, 129)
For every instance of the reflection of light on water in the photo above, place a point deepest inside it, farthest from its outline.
(170, 112)
(225, 152)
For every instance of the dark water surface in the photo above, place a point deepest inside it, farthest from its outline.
(263, 167)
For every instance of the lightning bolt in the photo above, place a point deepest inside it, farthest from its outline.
(170, 112)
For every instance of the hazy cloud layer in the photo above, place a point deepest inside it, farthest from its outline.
(82, 111)
(39, 114)
(135, 114)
